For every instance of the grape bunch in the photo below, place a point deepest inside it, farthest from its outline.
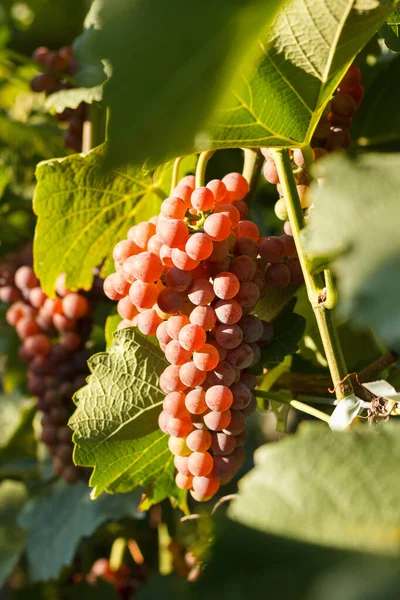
(53, 333)
(331, 133)
(192, 276)
(58, 64)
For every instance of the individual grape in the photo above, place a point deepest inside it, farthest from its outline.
(223, 374)
(165, 255)
(240, 455)
(270, 171)
(148, 321)
(222, 444)
(37, 344)
(219, 190)
(272, 249)
(218, 226)
(181, 464)
(195, 401)
(173, 208)
(287, 228)
(226, 285)
(247, 229)
(62, 323)
(220, 252)
(228, 311)
(190, 375)
(229, 336)
(146, 267)
(203, 316)
(200, 464)
(175, 354)
(182, 260)
(124, 250)
(179, 427)
(45, 82)
(175, 324)
(268, 333)
(339, 137)
(178, 280)
(75, 306)
(222, 352)
(217, 421)
(219, 398)
(143, 295)
(246, 246)
(236, 185)
(207, 358)
(199, 246)
(322, 129)
(142, 233)
(281, 210)
(237, 423)
(244, 267)
(189, 180)
(343, 105)
(71, 340)
(170, 380)
(351, 78)
(178, 446)
(201, 292)
(199, 441)
(248, 294)
(173, 233)
(225, 467)
(37, 297)
(339, 121)
(221, 266)
(170, 301)
(154, 245)
(9, 294)
(242, 207)
(204, 487)
(241, 395)
(357, 92)
(202, 199)
(252, 328)
(110, 289)
(241, 357)
(184, 482)
(25, 278)
(14, 314)
(192, 337)
(278, 275)
(257, 354)
(162, 334)
(27, 327)
(229, 211)
(202, 271)
(183, 192)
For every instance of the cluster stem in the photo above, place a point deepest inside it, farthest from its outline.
(315, 284)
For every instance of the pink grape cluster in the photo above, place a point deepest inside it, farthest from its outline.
(192, 276)
(53, 333)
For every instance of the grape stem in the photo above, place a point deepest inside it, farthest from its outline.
(253, 162)
(305, 408)
(202, 166)
(175, 173)
(316, 289)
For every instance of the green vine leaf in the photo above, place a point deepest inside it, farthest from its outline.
(32, 139)
(59, 101)
(336, 492)
(357, 210)
(116, 421)
(58, 519)
(83, 212)
(16, 432)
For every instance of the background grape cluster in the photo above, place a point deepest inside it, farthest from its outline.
(192, 276)
(332, 133)
(58, 64)
(53, 333)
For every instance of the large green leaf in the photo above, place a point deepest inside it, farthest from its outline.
(13, 496)
(61, 517)
(115, 423)
(355, 224)
(171, 66)
(32, 139)
(72, 98)
(340, 491)
(83, 212)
